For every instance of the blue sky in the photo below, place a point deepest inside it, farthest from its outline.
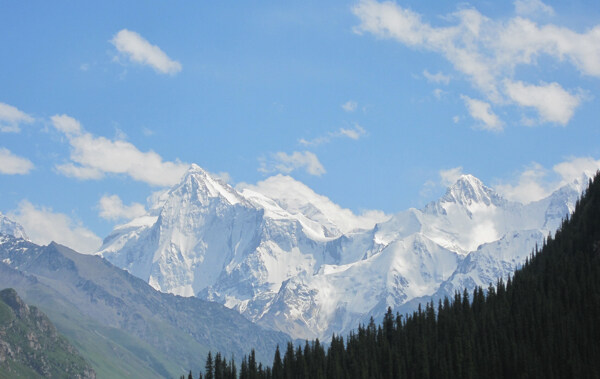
(375, 105)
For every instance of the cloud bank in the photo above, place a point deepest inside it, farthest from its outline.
(43, 226)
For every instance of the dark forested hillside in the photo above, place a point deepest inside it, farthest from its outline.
(543, 322)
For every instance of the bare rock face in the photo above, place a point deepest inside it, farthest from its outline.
(30, 346)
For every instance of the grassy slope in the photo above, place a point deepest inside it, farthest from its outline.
(111, 352)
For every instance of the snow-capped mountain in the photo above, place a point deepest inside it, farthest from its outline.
(12, 228)
(294, 261)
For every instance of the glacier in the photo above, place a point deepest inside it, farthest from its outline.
(293, 261)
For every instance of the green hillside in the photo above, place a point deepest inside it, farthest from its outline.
(30, 346)
(122, 326)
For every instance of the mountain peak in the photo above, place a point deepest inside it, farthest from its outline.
(194, 168)
(468, 190)
(200, 184)
(10, 227)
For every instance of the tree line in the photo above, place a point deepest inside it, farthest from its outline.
(542, 322)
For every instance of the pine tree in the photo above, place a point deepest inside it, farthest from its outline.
(277, 371)
(208, 367)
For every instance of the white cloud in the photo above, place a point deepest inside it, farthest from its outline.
(11, 164)
(552, 102)
(11, 119)
(459, 44)
(532, 8)
(573, 168)
(482, 111)
(455, 119)
(530, 186)
(92, 157)
(66, 124)
(350, 106)
(286, 163)
(112, 208)
(354, 133)
(438, 92)
(537, 182)
(44, 226)
(139, 50)
(486, 51)
(450, 176)
(436, 78)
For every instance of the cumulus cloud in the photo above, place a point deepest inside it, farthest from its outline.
(551, 101)
(354, 133)
(92, 157)
(482, 111)
(66, 124)
(436, 78)
(112, 208)
(286, 163)
(11, 119)
(536, 182)
(11, 164)
(486, 51)
(530, 185)
(139, 50)
(44, 226)
(350, 106)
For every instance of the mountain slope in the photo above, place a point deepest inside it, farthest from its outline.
(289, 259)
(30, 345)
(541, 323)
(174, 331)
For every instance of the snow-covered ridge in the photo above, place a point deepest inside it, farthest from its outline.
(10, 227)
(293, 260)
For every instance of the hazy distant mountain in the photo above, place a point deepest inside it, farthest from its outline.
(292, 260)
(120, 324)
(30, 346)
